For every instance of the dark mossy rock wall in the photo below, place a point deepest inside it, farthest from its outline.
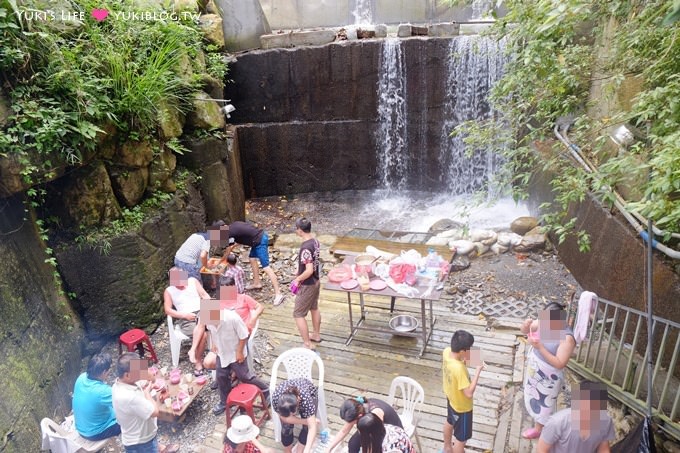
(123, 289)
(40, 335)
(306, 117)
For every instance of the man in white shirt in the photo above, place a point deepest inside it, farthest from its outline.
(584, 428)
(182, 301)
(230, 335)
(133, 405)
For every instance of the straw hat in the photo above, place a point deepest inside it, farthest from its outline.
(242, 429)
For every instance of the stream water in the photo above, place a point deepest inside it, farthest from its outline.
(338, 212)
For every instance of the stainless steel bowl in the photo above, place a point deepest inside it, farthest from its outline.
(403, 323)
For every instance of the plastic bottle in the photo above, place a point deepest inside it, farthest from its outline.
(324, 440)
(325, 436)
(432, 259)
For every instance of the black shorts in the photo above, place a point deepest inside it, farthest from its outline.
(461, 422)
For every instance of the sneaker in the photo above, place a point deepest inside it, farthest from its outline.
(219, 408)
(278, 300)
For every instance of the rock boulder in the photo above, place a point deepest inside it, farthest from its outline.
(160, 171)
(129, 184)
(135, 154)
(206, 114)
(533, 240)
(445, 224)
(87, 197)
(211, 25)
(522, 225)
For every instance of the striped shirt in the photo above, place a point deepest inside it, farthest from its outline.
(190, 251)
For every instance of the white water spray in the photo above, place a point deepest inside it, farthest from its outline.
(391, 134)
(362, 12)
(475, 65)
(481, 8)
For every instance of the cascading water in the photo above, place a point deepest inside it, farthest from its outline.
(391, 134)
(480, 8)
(362, 12)
(475, 65)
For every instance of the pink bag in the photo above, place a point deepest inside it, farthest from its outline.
(402, 272)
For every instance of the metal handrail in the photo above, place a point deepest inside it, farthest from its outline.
(605, 355)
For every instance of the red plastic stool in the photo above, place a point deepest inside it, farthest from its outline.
(243, 396)
(136, 339)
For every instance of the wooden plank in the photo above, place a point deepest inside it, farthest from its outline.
(518, 374)
(503, 428)
(359, 245)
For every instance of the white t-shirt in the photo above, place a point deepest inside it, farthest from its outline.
(227, 334)
(186, 300)
(133, 412)
(565, 438)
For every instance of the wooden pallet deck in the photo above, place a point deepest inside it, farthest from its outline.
(367, 366)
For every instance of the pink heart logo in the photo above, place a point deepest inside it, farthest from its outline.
(100, 14)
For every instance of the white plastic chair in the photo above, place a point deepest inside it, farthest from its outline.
(252, 349)
(176, 339)
(410, 394)
(299, 363)
(59, 440)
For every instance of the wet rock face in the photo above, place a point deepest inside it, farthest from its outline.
(219, 164)
(40, 335)
(124, 288)
(307, 116)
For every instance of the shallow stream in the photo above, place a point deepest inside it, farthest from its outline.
(339, 212)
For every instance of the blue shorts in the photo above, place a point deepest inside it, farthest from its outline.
(461, 422)
(192, 269)
(261, 250)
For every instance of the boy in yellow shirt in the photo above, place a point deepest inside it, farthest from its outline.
(459, 390)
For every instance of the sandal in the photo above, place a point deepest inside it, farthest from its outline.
(198, 372)
(172, 448)
(253, 288)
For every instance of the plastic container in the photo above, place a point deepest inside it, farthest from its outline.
(325, 436)
(294, 287)
(432, 259)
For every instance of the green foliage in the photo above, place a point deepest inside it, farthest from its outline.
(64, 84)
(215, 63)
(555, 61)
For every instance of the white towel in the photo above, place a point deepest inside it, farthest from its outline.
(586, 304)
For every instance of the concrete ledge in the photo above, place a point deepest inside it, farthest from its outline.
(474, 28)
(298, 38)
(443, 30)
(406, 30)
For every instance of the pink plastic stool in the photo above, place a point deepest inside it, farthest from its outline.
(136, 339)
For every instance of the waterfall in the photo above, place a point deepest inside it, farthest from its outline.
(480, 8)
(391, 134)
(475, 64)
(362, 12)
